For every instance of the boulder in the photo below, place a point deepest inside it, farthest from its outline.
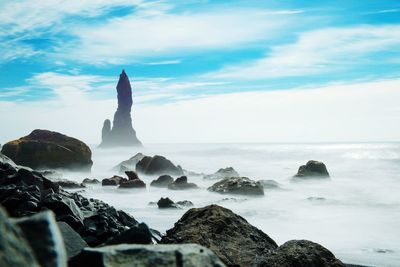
(300, 253)
(157, 165)
(270, 184)
(115, 180)
(45, 149)
(44, 237)
(132, 184)
(181, 183)
(67, 184)
(222, 174)
(162, 181)
(237, 185)
(90, 181)
(132, 175)
(229, 236)
(14, 248)
(187, 255)
(184, 203)
(165, 203)
(128, 165)
(72, 240)
(139, 234)
(312, 169)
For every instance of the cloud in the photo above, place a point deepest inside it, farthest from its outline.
(319, 51)
(165, 62)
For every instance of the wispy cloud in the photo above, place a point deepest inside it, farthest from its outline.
(164, 62)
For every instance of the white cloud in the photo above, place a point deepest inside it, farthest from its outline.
(164, 62)
(318, 51)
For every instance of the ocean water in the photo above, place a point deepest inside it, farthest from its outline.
(358, 217)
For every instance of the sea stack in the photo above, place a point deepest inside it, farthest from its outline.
(121, 133)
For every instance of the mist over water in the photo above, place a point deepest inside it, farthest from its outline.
(355, 214)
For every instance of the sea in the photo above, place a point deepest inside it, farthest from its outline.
(355, 213)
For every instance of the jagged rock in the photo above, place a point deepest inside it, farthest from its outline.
(137, 183)
(14, 248)
(115, 180)
(162, 181)
(122, 132)
(128, 165)
(90, 181)
(237, 185)
(164, 203)
(46, 149)
(139, 234)
(181, 183)
(132, 175)
(270, 184)
(187, 255)
(67, 184)
(313, 169)
(229, 236)
(300, 253)
(157, 165)
(222, 174)
(72, 240)
(184, 203)
(42, 233)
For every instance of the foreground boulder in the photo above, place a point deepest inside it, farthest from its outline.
(162, 181)
(229, 236)
(238, 185)
(128, 165)
(300, 253)
(222, 174)
(43, 149)
(188, 255)
(312, 169)
(73, 242)
(181, 183)
(139, 234)
(14, 248)
(157, 165)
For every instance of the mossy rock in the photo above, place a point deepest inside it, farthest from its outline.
(43, 149)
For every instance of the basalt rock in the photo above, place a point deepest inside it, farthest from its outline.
(229, 236)
(181, 183)
(72, 240)
(122, 132)
(67, 184)
(313, 169)
(238, 185)
(137, 183)
(115, 180)
(43, 149)
(158, 165)
(139, 234)
(166, 203)
(162, 181)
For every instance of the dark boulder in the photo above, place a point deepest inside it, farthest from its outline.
(237, 185)
(188, 255)
(132, 184)
(139, 234)
(229, 236)
(313, 169)
(300, 253)
(132, 175)
(128, 165)
(184, 203)
(165, 203)
(45, 149)
(67, 184)
(162, 181)
(157, 165)
(72, 240)
(222, 174)
(90, 181)
(44, 237)
(181, 183)
(115, 180)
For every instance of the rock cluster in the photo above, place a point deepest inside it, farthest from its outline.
(238, 185)
(181, 183)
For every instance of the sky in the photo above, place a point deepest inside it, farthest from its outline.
(203, 71)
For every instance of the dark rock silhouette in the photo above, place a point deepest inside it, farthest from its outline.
(238, 185)
(312, 169)
(121, 133)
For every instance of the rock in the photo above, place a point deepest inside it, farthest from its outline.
(157, 165)
(42, 233)
(162, 181)
(139, 234)
(115, 180)
(72, 240)
(270, 184)
(181, 183)
(184, 203)
(316, 199)
(90, 181)
(14, 248)
(46, 149)
(128, 165)
(164, 203)
(122, 132)
(67, 184)
(229, 236)
(300, 253)
(222, 174)
(312, 169)
(237, 185)
(187, 255)
(132, 175)
(132, 184)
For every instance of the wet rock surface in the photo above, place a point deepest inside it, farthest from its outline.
(73, 242)
(312, 169)
(181, 183)
(162, 181)
(157, 165)
(237, 185)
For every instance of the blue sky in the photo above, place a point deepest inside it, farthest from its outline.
(181, 50)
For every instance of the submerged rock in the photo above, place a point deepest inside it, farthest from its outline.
(137, 183)
(128, 165)
(237, 185)
(313, 169)
(222, 174)
(270, 184)
(164, 203)
(229, 236)
(187, 255)
(43, 149)
(181, 183)
(90, 181)
(157, 165)
(122, 132)
(162, 181)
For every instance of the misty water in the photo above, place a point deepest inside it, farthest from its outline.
(355, 214)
